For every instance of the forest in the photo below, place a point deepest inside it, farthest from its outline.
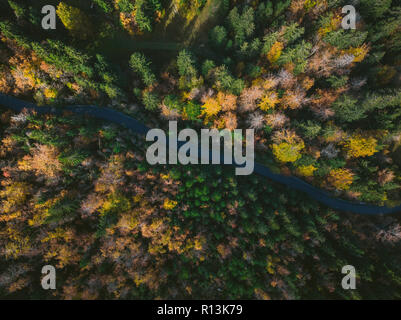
(78, 194)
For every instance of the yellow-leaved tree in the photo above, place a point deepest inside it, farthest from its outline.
(74, 20)
(306, 171)
(341, 179)
(269, 101)
(287, 152)
(275, 52)
(211, 107)
(358, 146)
(287, 146)
(359, 52)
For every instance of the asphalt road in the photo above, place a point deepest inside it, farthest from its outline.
(136, 126)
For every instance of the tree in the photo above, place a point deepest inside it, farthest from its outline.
(268, 41)
(141, 65)
(187, 70)
(44, 161)
(344, 39)
(207, 67)
(173, 102)
(192, 110)
(242, 25)
(375, 8)
(150, 100)
(211, 107)
(18, 9)
(358, 146)
(144, 12)
(275, 52)
(287, 152)
(186, 64)
(218, 37)
(104, 5)
(296, 56)
(269, 101)
(14, 194)
(74, 20)
(292, 33)
(228, 102)
(347, 110)
(306, 171)
(310, 129)
(264, 12)
(226, 82)
(341, 178)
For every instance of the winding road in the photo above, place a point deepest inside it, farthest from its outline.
(136, 126)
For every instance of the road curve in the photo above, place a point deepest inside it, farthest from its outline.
(136, 126)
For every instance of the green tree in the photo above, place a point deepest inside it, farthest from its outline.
(218, 37)
(186, 64)
(151, 100)
(207, 67)
(226, 82)
(18, 9)
(192, 110)
(242, 24)
(348, 110)
(293, 32)
(264, 12)
(141, 65)
(125, 6)
(375, 8)
(141, 17)
(104, 5)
